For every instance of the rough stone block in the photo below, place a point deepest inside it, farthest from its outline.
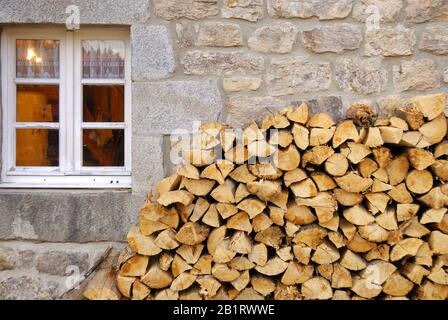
(390, 41)
(68, 216)
(435, 39)
(324, 10)
(242, 110)
(416, 75)
(147, 162)
(153, 55)
(222, 63)
(161, 107)
(239, 84)
(112, 12)
(218, 34)
(388, 10)
(8, 259)
(190, 9)
(250, 10)
(278, 38)
(56, 262)
(336, 38)
(424, 10)
(364, 76)
(389, 105)
(297, 75)
(30, 288)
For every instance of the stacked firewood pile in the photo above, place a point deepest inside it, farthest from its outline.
(300, 207)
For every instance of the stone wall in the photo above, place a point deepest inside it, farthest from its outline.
(227, 60)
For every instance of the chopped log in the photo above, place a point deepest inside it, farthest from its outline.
(304, 189)
(323, 181)
(188, 171)
(345, 131)
(358, 215)
(400, 194)
(166, 240)
(259, 254)
(277, 121)
(438, 242)
(363, 115)
(168, 184)
(135, 266)
(272, 236)
(265, 170)
(294, 176)
(352, 261)
(178, 196)
(213, 173)
(265, 189)
(320, 120)
(433, 215)
(336, 165)
(352, 182)
(283, 138)
(406, 211)
(420, 159)
(140, 291)
(440, 169)
(299, 115)
(299, 215)
(240, 221)
(435, 130)
(190, 254)
(373, 138)
(419, 181)
(225, 167)
(297, 273)
(397, 170)
(301, 136)
(252, 206)
(317, 155)
(223, 273)
(317, 288)
(391, 135)
(179, 265)
(242, 281)
(156, 278)
(355, 152)
(367, 167)
(224, 193)
(192, 233)
(263, 285)
(325, 253)
(359, 244)
(320, 136)
(347, 198)
(273, 267)
(142, 244)
(209, 286)
(406, 247)
(242, 174)
(287, 159)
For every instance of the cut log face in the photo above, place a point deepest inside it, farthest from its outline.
(300, 207)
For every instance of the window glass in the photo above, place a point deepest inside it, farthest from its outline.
(37, 103)
(37, 58)
(103, 147)
(103, 59)
(37, 147)
(103, 103)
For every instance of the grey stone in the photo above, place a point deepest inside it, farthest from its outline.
(415, 75)
(153, 55)
(185, 34)
(445, 76)
(435, 40)
(190, 9)
(29, 288)
(118, 12)
(278, 38)
(68, 216)
(336, 38)
(219, 34)
(324, 10)
(389, 105)
(388, 10)
(26, 258)
(328, 104)
(8, 259)
(56, 262)
(162, 107)
(147, 162)
(426, 10)
(222, 63)
(364, 76)
(250, 10)
(242, 110)
(390, 41)
(297, 75)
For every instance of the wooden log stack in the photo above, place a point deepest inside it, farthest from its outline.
(301, 207)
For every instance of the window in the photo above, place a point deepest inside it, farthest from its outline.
(66, 108)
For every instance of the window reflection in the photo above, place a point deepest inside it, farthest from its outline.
(103, 59)
(37, 58)
(103, 103)
(37, 103)
(37, 147)
(103, 147)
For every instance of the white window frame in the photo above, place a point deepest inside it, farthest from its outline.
(70, 173)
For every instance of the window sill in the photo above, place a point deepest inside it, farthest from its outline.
(67, 182)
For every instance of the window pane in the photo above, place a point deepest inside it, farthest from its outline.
(103, 147)
(103, 59)
(103, 103)
(37, 147)
(37, 58)
(37, 103)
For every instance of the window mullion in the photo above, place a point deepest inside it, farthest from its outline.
(76, 106)
(67, 125)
